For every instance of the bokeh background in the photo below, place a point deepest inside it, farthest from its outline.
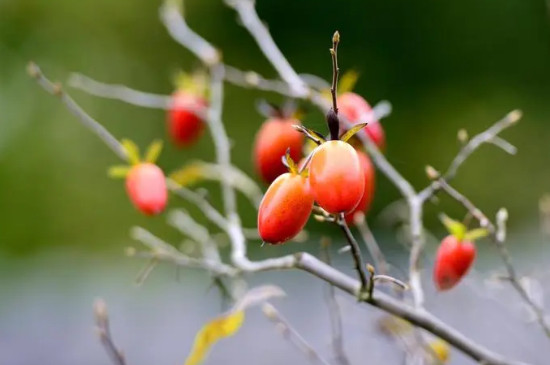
(64, 224)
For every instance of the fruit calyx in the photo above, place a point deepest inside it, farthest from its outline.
(134, 158)
(461, 232)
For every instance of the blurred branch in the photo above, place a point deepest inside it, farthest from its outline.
(104, 332)
(334, 311)
(163, 251)
(355, 252)
(291, 334)
(370, 242)
(251, 21)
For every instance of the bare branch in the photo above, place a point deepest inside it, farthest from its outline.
(84, 118)
(355, 251)
(163, 251)
(335, 313)
(119, 92)
(370, 242)
(104, 332)
(251, 21)
(291, 334)
(170, 15)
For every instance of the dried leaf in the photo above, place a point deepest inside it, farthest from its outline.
(132, 151)
(440, 350)
(153, 151)
(292, 167)
(212, 332)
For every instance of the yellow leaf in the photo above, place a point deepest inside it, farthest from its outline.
(440, 350)
(119, 171)
(154, 150)
(132, 151)
(348, 81)
(188, 175)
(213, 331)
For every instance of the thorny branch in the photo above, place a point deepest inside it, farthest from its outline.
(229, 222)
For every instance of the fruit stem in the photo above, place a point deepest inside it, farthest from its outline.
(332, 116)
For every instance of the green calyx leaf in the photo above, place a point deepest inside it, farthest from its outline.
(153, 151)
(118, 171)
(195, 83)
(352, 131)
(454, 227)
(132, 151)
(476, 234)
(348, 81)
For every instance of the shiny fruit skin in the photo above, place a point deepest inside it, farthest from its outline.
(272, 140)
(368, 194)
(285, 208)
(184, 126)
(336, 177)
(453, 259)
(146, 188)
(356, 109)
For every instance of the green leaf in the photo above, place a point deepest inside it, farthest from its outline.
(153, 151)
(348, 81)
(132, 151)
(352, 131)
(476, 234)
(455, 228)
(218, 328)
(119, 171)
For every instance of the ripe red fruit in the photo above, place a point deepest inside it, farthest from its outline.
(146, 188)
(356, 109)
(285, 208)
(368, 194)
(453, 259)
(184, 125)
(275, 136)
(336, 177)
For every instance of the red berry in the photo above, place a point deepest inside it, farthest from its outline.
(184, 125)
(146, 188)
(336, 177)
(356, 109)
(453, 259)
(285, 208)
(272, 140)
(368, 194)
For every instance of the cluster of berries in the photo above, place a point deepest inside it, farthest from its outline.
(337, 176)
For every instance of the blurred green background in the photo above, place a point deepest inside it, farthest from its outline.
(443, 65)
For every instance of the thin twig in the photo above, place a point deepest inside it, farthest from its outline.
(372, 246)
(251, 21)
(335, 313)
(104, 332)
(498, 236)
(292, 335)
(355, 251)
